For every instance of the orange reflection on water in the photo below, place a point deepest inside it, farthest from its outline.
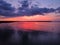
(41, 26)
(25, 25)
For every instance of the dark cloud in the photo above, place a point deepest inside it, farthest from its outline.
(34, 11)
(58, 9)
(25, 10)
(42, 10)
(5, 8)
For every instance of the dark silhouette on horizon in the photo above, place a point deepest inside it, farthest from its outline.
(25, 21)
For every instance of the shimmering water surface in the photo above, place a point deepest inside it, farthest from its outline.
(41, 26)
(41, 33)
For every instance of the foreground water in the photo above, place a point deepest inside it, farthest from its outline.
(30, 33)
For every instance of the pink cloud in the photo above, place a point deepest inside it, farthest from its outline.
(46, 17)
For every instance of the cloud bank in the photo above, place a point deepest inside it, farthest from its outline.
(46, 17)
(7, 10)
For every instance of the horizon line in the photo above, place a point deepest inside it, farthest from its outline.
(25, 21)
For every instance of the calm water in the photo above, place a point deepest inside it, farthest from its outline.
(41, 26)
(42, 37)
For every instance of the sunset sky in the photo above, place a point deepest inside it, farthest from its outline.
(31, 10)
(41, 10)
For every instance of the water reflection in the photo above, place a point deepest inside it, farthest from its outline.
(42, 26)
(12, 34)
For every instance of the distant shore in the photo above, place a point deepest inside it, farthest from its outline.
(26, 21)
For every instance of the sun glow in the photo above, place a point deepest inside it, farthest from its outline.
(45, 17)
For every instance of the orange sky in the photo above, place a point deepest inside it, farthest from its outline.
(46, 17)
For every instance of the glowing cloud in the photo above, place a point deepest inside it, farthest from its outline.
(46, 17)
